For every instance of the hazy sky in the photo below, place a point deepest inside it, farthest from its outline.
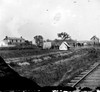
(27, 18)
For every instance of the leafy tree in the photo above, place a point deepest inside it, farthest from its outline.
(63, 35)
(39, 40)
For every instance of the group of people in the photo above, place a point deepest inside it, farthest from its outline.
(78, 44)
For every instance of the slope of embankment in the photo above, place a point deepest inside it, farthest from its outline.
(59, 72)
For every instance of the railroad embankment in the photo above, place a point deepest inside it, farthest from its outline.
(57, 69)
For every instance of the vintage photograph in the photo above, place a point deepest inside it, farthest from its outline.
(50, 45)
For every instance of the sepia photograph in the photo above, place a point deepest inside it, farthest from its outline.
(50, 45)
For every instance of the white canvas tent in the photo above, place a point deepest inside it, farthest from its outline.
(47, 45)
(64, 46)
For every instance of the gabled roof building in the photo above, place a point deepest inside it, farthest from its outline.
(95, 40)
(14, 40)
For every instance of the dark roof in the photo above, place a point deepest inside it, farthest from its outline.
(95, 38)
(13, 38)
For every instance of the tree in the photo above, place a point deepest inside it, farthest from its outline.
(64, 35)
(39, 40)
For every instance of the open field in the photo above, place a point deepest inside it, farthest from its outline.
(23, 53)
(58, 70)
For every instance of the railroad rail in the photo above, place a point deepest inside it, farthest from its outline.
(81, 79)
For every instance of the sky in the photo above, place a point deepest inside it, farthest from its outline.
(28, 18)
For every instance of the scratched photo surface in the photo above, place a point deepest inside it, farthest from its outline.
(50, 43)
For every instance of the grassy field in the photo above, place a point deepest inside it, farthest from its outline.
(23, 53)
(60, 70)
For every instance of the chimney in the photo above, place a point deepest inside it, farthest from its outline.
(6, 37)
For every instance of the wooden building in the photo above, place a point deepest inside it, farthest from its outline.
(95, 40)
(14, 40)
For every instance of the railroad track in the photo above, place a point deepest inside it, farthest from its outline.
(88, 78)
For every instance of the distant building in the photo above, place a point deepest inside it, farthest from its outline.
(11, 41)
(94, 40)
(14, 40)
